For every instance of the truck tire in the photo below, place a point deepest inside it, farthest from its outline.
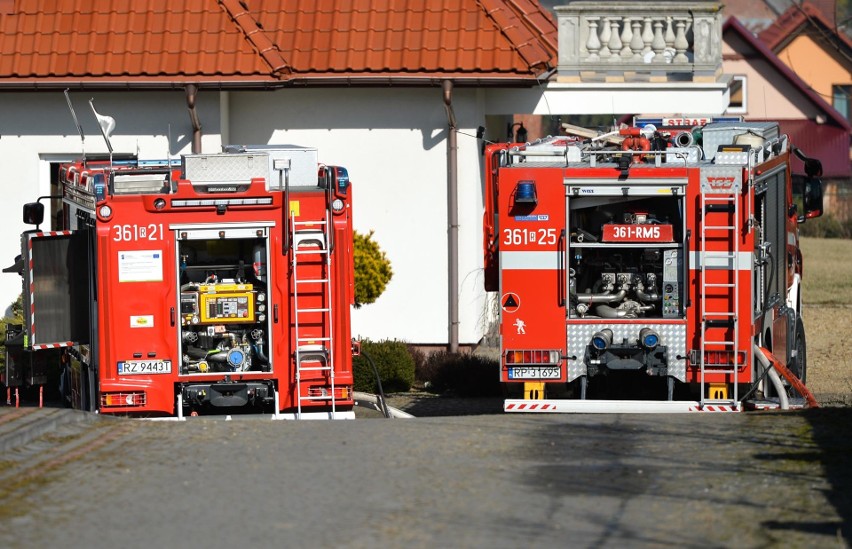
(799, 363)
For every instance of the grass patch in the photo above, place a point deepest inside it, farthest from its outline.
(827, 270)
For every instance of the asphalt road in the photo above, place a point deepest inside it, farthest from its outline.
(700, 480)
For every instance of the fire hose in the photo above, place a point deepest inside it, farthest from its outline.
(769, 361)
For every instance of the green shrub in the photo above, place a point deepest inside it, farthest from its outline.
(463, 375)
(419, 358)
(393, 362)
(826, 226)
(16, 318)
(372, 269)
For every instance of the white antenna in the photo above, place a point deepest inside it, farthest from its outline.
(107, 125)
(77, 123)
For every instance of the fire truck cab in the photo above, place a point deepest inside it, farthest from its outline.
(664, 252)
(219, 282)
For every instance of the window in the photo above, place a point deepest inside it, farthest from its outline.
(841, 100)
(738, 102)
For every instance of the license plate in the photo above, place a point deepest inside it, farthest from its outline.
(130, 367)
(534, 373)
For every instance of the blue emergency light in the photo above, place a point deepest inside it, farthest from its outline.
(525, 193)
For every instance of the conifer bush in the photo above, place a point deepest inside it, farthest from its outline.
(372, 269)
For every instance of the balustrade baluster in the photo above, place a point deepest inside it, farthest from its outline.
(614, 40)
(626, 37)
(680, 43)
(647, 36)
(659, 43)
(636, 44)
(593, 44)
(604, 37)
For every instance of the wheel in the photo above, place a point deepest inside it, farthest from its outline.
(65, 387)
(799, 363)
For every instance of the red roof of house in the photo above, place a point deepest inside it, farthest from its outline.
(272, 42)
(800, 18)
(828, 141)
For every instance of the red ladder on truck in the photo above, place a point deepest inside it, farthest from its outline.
(719, 298)
(313, 353)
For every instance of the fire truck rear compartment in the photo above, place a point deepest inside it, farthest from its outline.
(625, 257)
(625, 265)
(223, 307)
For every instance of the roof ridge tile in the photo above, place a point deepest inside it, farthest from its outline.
(254, 33)
(522, 39)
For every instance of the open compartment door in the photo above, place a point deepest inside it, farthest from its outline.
(57, 289)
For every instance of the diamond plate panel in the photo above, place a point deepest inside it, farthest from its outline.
(724, 133)
(671, 335)
(225, 168)
(721, 179)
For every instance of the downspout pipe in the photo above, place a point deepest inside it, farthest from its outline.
(452, 218)
(191, 96)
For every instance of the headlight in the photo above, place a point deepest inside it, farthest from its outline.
(105, 212)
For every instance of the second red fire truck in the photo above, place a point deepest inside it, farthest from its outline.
(223, 281)
(668, 251)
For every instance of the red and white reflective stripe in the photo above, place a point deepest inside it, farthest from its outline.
(576, 406)
(53, 345)
(40, 234)
(32, 286)
(529, 407)
(714, 408)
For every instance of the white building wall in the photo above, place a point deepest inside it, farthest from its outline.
(36, 128)
(393, 142)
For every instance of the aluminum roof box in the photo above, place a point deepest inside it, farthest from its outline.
(725, 133)
(224, 172)
(303, 163)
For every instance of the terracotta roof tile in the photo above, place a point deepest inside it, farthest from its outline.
(273, 41)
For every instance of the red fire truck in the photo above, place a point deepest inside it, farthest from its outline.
(219, 282)
(652, 268)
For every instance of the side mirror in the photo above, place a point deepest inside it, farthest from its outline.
(33, 213)
(809, 191)
(813, 197)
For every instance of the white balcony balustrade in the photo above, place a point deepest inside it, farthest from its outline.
(640, 41)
